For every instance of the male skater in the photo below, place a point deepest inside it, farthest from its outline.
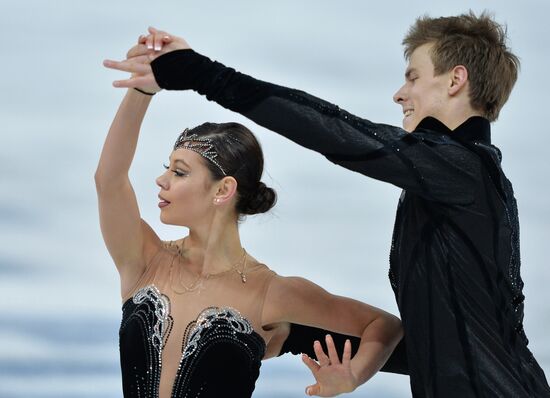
(454, 263)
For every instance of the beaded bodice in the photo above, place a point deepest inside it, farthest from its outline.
(197, 344)
(221, 352)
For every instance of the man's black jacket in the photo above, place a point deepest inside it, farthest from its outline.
(454, 262)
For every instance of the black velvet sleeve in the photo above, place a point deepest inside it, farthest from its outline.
(300, 341)
(431, 165)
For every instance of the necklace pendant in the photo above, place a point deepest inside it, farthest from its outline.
(198, 286)
(243, 278)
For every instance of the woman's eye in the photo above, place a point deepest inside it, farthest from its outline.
(176, 172)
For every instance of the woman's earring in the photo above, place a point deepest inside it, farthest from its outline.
(217, 200)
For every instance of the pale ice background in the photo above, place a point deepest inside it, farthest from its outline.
(60, 305)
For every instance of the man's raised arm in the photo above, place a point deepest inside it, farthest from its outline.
(431, 165)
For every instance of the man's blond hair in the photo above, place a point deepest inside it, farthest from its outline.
(479, 44)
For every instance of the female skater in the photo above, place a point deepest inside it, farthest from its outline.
(200, 313)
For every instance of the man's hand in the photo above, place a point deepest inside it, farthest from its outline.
(332, 376)
(158, 42)
(139, 57)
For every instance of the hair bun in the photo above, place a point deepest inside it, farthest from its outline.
(261, 201)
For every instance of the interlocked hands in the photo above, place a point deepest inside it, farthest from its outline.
(139, 57)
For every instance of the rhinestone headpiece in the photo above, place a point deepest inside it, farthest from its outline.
(200, 145)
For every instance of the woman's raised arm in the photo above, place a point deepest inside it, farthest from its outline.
(130, 241)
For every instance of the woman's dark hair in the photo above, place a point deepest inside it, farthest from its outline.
(240, 155)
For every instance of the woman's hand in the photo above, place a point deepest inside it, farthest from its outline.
(332, 376)
(139, 57)
(158, 42)
(297, 300)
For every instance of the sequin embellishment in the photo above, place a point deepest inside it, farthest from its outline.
(217, 332)
(162, 313)
(202, 146)
(205, 320)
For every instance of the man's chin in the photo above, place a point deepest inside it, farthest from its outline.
(409, 123)
(409, 126)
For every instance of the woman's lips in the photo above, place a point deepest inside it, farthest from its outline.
(163, 202)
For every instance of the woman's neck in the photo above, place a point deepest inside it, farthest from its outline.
(214, 248)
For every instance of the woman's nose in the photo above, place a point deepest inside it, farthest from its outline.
(162, 182)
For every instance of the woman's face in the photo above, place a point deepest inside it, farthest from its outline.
(186, 189)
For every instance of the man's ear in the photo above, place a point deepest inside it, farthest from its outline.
(226, 189)
(458, 79)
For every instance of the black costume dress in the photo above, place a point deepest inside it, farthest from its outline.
(454, 262)
(206, 342)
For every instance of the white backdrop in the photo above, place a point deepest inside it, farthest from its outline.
(60, 304)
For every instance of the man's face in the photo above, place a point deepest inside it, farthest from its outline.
(423, 94)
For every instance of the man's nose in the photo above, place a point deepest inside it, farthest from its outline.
(399, 96)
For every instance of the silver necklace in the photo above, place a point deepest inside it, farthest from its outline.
(198, 284)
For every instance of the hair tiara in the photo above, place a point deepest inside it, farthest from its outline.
(202, 146)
